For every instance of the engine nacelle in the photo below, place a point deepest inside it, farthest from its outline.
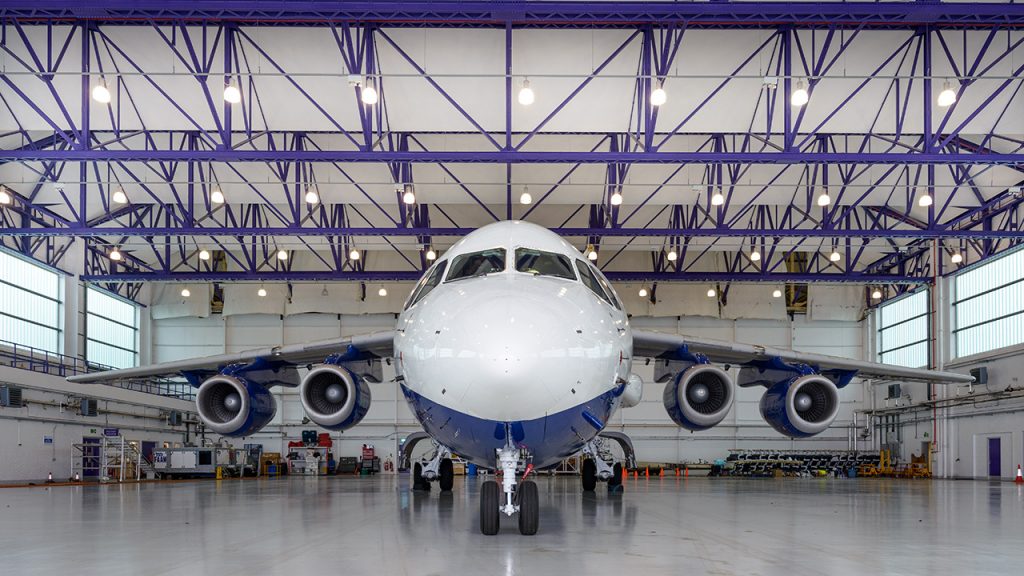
(633, 391)
(334, 397)
(802, 406)
(233, 406)
(699, 397)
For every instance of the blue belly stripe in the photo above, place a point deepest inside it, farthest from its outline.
(550, 438)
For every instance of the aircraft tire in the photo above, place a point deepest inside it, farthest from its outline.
(529, 507)
(489, 496)
(446, 477)
(589, 475)
(419, 483)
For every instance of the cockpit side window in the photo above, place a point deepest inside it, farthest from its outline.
(477, 264)
(591, 281)
(608, 288)
(428, 283)
(543, 263)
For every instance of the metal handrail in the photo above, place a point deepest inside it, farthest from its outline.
(39, 360)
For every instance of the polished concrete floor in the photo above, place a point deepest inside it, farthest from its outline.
(357, 526)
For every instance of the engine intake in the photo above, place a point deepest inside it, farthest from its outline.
(334, 397)
(699, 397)
(233, 406)
(802, 406)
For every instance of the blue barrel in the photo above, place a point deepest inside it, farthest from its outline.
(470, 469)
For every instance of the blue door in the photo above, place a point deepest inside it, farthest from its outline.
(994, 464)
(91, 458)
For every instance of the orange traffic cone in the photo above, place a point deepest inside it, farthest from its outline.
(647, 471)
(625, 473)
(678, 471)
(1019, 479)
(687, 472)
(662, 471)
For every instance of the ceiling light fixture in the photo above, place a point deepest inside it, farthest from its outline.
(717, 199)
(185, 293)
(800, 95)
(431, 255)
(216, 196)
(592, 254)
(526, 96)
(5, 197)
(525, 198)
(323, 292)
(824, 199)
(835, 256)
(312, 196)
(368, 94)
(643, 292)
(776, 293)
(957, 258)
(925, 200)
(672, 256)
(382, 292)
(100, 93)
(876, 294)
(353, 254)
(658, 95)
(115, 255)
(409, 196)
(262, 292)
(119, 197)
(712, 293)
(231, 94)
(204, 254)
(282, 255)
(616, 198)
(755, 256)
(947, 97)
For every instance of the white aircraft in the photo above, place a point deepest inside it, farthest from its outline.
(513, 352)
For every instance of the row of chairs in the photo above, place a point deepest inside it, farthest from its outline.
(766, 463)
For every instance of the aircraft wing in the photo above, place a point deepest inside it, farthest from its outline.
(661, 345)
(363, 347)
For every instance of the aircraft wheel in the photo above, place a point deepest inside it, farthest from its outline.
(447, 475)
(615, 482)
(489, 496)
(418, 482)
(529, 508)
(589, 475)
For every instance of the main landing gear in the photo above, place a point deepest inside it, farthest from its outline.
(439, 468)
(596, 468)
(511, 497)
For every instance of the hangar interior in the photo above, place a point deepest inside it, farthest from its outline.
(829, 177)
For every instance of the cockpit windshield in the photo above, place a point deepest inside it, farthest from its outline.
(477, 264)
(543, 263)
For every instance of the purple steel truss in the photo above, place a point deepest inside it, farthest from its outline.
(187, 162)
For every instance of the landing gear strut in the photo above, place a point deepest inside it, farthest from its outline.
(595, 467)
(439, 468)
(511, 497)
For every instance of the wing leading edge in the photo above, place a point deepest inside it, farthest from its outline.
(661, 345)
(362, 347)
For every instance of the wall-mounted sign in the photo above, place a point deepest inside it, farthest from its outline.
(111, 432)
(47, 439)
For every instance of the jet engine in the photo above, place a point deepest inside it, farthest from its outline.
(334, 397)
(233, 406)
(802, 406)
(699, 397)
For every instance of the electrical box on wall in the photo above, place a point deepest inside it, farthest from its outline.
(894, 392)
(980, 375)
(87, 407)
(10, 396)
(174, 418)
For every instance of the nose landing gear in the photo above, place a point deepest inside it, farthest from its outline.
(511, 497)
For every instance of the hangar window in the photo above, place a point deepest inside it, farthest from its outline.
(988, 306)
(543, 263)
(904, 330)
(428, 283)
(111, 329)
(590, 279)
(477, 264)
(30, 303)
